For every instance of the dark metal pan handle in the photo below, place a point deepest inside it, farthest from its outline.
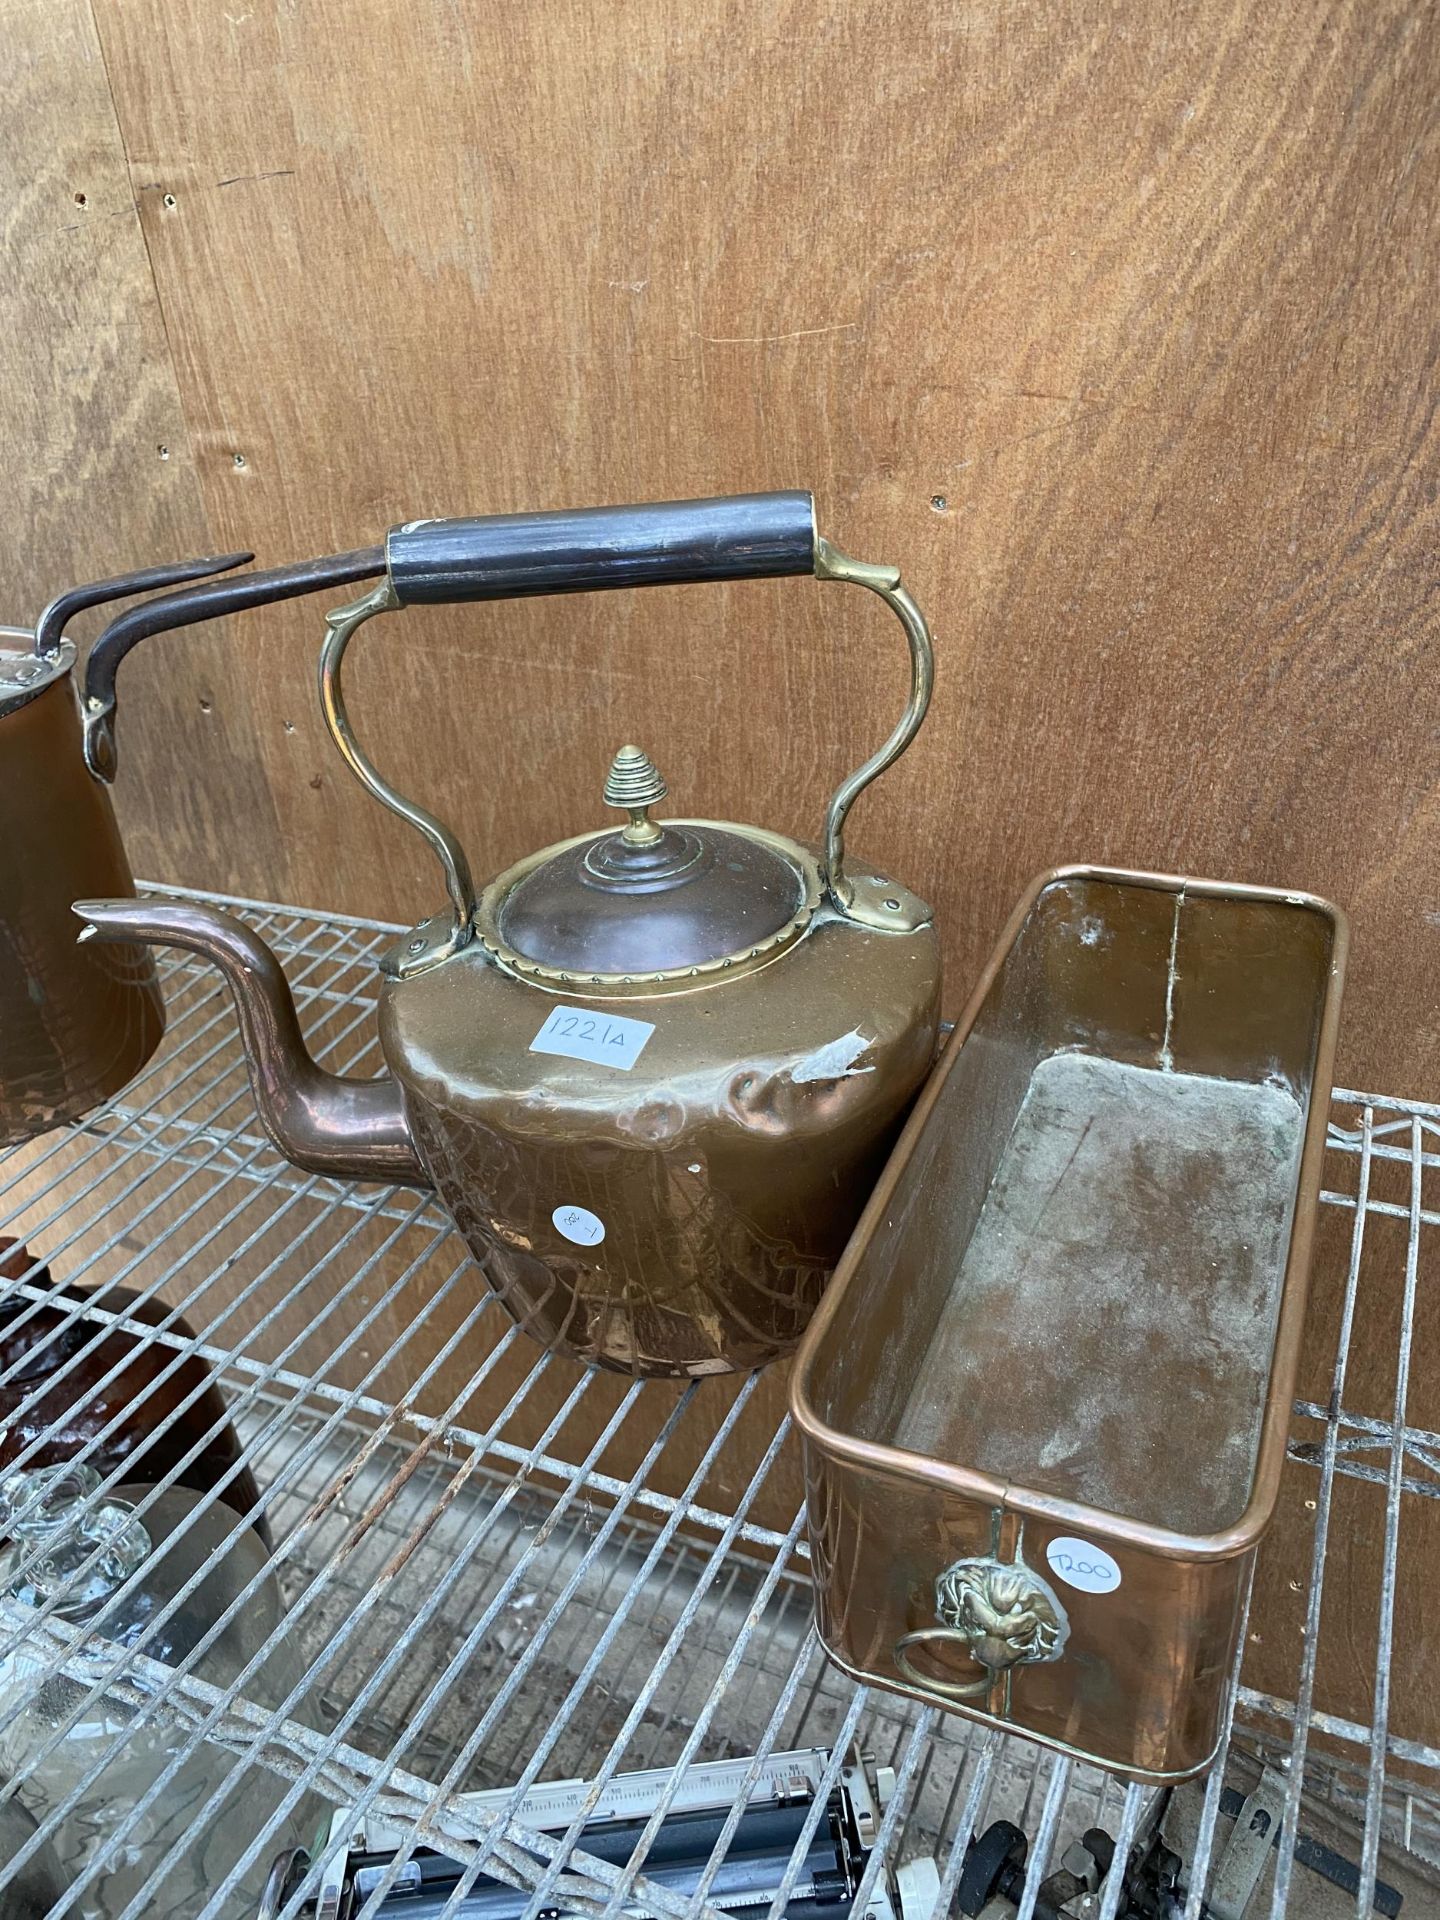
(208, 602)
(50, 627)
(582, 550)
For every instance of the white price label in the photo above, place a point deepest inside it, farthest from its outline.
(586, 1229)
(1082, 1565)
(605, 1039)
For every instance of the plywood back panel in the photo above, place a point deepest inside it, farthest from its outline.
(1112, 328)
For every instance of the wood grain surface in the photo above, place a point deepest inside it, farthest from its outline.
(1114, 325)
(98, 474)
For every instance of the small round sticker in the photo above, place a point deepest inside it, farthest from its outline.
(1081, 1565)
(586, 1229)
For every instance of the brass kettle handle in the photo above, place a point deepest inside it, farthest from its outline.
(506, 556)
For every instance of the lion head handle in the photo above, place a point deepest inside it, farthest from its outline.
(1008, 1612)
(1003, 1613)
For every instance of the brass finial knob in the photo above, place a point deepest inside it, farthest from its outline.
(634, 784)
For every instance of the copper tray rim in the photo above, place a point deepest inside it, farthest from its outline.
(1146, 1776)
(969, 1483)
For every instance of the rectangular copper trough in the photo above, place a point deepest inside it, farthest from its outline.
(1045, 1398)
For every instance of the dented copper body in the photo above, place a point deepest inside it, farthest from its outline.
(653, 1070)
(76, 1023)
(1045, 1399)
(679, 1217)
(726, 1167)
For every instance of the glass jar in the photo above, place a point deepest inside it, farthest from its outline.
(57, 1524)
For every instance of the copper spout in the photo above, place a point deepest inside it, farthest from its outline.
(348, 1129)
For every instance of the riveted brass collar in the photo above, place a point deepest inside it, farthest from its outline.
(25, 674)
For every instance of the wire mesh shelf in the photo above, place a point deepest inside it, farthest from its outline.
(499, 1569)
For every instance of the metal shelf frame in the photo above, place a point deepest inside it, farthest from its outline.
(472, 1609)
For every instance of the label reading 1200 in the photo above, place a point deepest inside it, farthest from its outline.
(606, 1039)
(1081, 1564)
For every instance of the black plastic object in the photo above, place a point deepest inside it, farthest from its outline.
(753, 1867)
(994, 1864)
(667, 542)
(1100, 1847)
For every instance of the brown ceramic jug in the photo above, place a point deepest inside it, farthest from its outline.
(51, 1369)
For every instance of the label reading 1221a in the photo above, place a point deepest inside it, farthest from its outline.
(607, 1039)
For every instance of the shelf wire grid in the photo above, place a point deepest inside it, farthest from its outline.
(494, 1572)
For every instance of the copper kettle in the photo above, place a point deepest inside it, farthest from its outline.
(653, 1070)
(75, 1024)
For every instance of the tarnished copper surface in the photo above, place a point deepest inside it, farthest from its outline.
(76, 1023)
(74, 1027)
(351, 1129)
(536, 919)
(944, 1432)
(676, 1214)
(726, 1167)
(695, 895)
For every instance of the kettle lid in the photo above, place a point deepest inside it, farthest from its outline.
(647, 902)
